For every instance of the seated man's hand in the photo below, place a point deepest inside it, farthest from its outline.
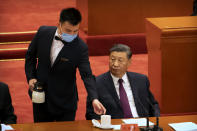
(99, 109)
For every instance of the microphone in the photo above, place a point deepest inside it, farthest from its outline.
(147, 128)
(156, 127)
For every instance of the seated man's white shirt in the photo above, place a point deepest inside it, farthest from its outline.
(127, 87)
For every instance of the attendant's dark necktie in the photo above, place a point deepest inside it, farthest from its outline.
(58, 38)
(124, 100)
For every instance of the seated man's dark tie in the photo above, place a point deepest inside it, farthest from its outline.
(124, 100)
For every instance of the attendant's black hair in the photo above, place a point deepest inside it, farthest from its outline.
(72, 15)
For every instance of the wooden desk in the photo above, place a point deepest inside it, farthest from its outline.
(84, 125)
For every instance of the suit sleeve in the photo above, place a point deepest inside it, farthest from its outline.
(86, 75)
(30, 59)
(8, 116)
(90, 111)
(155, 110)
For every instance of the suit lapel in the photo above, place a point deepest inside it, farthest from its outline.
(49, 41)
(111, 88)
(58, 57)
(133, 85)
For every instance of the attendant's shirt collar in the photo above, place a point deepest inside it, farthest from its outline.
(57, 34)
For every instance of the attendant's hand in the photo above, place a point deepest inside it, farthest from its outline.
(31, 83)
(99, 109)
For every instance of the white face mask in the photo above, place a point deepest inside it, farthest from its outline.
(67, 37)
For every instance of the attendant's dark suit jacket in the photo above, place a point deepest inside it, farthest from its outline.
(7, 115)
(108, 97)
(60, 78)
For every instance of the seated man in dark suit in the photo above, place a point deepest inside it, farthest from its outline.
(7, 115)
(123, 94)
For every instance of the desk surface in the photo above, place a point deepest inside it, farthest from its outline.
(84, 125)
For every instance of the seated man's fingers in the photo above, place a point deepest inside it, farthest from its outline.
(98, 110)
(102, 109)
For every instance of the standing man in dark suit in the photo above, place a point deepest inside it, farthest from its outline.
(7, 115)
(52, 59)
(123, 94)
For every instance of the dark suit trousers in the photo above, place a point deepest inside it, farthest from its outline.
(41, 114)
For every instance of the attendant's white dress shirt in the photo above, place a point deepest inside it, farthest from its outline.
(56, 47)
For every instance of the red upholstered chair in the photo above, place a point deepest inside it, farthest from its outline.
(13, 45)
(99, 45)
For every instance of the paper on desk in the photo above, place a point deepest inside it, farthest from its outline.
(184, 126)
(6, 127)
(139, 121)
(98, 125)
(116, 127)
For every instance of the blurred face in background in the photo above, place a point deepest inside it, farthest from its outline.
(118, 63)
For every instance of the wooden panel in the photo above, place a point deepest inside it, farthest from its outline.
(113, 16)
(172, 65)
(179, 69)
(82, 5)
(127, 16)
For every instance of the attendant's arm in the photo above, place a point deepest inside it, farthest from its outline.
(151, 99)
(90, 82)
(31, 61)
(7, 111)
(90, 111)
(86, 75)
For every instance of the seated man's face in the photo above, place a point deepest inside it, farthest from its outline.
(118, 63)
